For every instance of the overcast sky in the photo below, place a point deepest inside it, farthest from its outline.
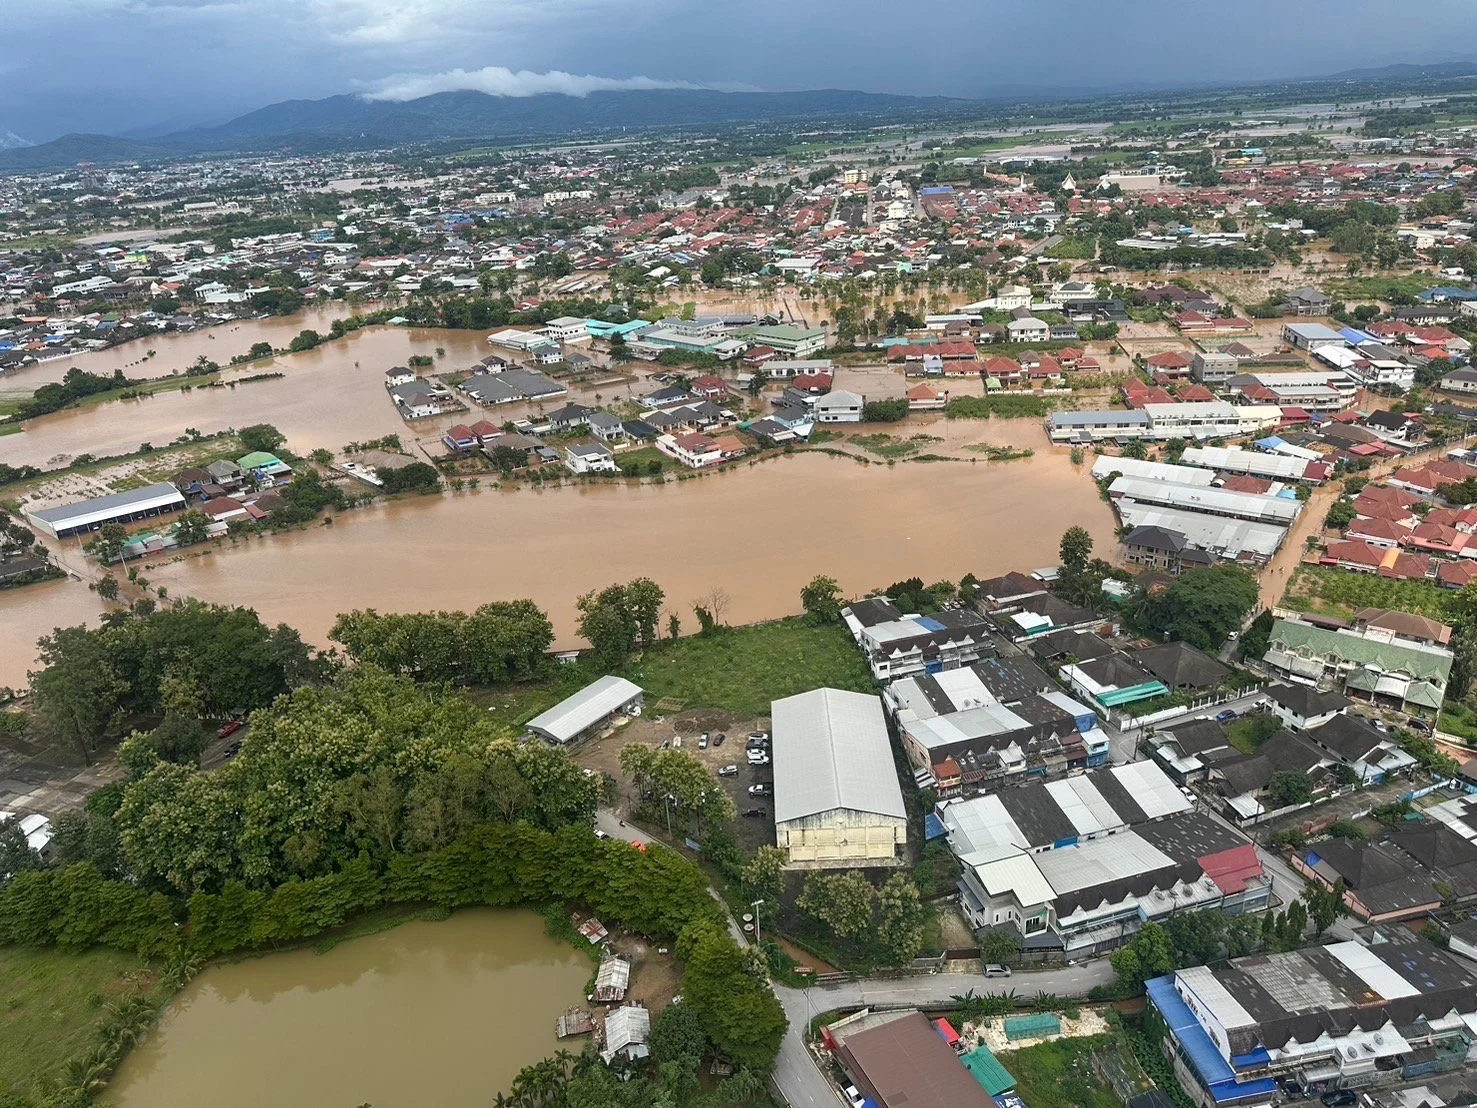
(116, 66)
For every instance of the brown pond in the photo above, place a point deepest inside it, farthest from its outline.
(438, 1014)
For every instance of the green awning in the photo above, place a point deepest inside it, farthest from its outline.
(985, 1068)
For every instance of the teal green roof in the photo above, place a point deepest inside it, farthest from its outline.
(258, 459)
(1314, 642)
(985, 1068)
(1032, 1027)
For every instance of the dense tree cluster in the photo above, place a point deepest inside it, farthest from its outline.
(94, 679)
(619, 618)
(500, 641)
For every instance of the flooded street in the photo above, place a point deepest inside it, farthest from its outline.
(441, 1014)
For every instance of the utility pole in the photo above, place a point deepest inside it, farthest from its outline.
(758, 939)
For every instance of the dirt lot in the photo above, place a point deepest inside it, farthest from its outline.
(655, 976)
(603, 756)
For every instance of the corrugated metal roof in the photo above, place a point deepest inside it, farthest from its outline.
(831, 750)
(569, 717)
(1017, 874)
(142, 500)
(1151, 789)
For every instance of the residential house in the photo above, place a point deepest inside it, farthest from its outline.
(839, 407)
(1301, 707)
(1308, 301)
(399, 375)
(460, 437)
(1369, 666)
(589, 457)
(1028, 329)
(606, 427)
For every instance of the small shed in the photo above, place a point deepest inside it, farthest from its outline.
(576, 1021)
(627, 1033)
(588, 711)
(1039, 1026)
(612, 980)
(591, 929)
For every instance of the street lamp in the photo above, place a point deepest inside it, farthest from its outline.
(758, 939)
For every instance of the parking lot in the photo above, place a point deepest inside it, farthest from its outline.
(603, 756)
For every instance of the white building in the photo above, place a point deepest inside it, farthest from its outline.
(837, 801)
(120, 507)
(567, 328)
(589, 457)
(589, 711)
(839, 407)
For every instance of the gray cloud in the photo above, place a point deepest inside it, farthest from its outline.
(497, 80)
(127, 65)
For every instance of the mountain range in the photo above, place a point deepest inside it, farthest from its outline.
(348, 122)
(353, 122)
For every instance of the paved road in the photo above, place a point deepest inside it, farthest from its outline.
(796, 1073)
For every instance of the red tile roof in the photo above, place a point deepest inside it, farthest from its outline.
(1232, 869)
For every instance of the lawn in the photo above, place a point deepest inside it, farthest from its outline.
(1342, 592)
(1248, 733)
(514, 705)
(53, 1001)
(1353, 289)
(1060, 1072)
(742, 669)
(1459, 720)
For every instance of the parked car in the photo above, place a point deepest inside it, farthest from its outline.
(754, 813)
(728, 771)
(995, 969)
(718, 739)
(853, 1097)
(760, 790)
(1227, 716)
(758, 758)
(229, 729)
(758, 737)
(702, 741)
(599, 834)
(1419, 726)
(1342, 1098)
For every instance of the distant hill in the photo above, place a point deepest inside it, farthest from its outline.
(341, 122)
(1407, 70)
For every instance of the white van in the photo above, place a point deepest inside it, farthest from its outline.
(995, 969)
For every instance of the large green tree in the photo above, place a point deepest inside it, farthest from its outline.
(1202, 606)
(841, 901)
(821, 599)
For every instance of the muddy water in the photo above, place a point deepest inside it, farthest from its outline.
(428, 1013)
(328, 397)
(31, 611)
(759, 532)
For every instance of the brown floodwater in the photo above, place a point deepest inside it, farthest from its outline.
(327, 397)
(758, 532)
(438, 1014)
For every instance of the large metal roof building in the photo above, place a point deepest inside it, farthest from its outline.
(836, 795)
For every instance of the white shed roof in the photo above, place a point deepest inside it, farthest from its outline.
(585, 708)
(831, 750)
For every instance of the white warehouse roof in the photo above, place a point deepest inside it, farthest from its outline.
(1212, 501)
(1107, 464)
(584, 709)
(1256, 462)
(103, 509)
(831, 750)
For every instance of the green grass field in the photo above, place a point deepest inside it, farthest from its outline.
(50, 1003)
(743, 668)
(1060, 1072)
(1341, 592)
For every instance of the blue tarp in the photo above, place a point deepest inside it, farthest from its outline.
(933, 828)
(932, 624)
(1215, 1072)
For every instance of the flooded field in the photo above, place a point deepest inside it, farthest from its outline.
(327, 397)
(758, 532)
(439, 1013)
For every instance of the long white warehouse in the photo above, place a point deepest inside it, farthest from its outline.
(120, 507)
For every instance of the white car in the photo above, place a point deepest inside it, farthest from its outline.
(758, 758)
(728, 771)
(853, 1096)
